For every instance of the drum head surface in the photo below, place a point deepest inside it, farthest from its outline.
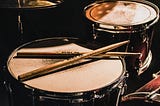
(120, 13)
(85, 76)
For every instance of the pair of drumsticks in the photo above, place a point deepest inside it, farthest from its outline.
(52, 67)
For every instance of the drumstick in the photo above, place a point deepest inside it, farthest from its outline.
(51, 68)
(30, 54)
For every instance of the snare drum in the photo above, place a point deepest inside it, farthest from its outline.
(89, 82)
(120, 20)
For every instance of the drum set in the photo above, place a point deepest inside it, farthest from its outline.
(70, 71)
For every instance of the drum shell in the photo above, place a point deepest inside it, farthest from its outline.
(22, 95)
(140, 42)
(36, 96)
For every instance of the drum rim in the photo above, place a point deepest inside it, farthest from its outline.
(67, 94)
(127, 27)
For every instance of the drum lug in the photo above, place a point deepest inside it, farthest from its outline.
(138, 64)
(144, 35)
(123, 88)
(93, 32)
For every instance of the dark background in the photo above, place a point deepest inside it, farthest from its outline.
(65, 20)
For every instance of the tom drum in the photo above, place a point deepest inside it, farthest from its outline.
(119, 20)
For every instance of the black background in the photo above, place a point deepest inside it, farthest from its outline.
(66, 20)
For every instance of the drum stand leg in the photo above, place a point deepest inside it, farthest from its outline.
(121, 90)
(10, 93)
(118, 98)
(33, 98)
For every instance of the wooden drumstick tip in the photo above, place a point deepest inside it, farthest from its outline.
(52, 67)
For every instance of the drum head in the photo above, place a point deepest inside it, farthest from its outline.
(125, 13)
(85, 75)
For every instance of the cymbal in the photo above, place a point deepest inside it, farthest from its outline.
(29, 4)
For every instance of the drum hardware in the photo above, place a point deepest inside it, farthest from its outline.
(144, 37)
(153, 92)
(121, 92)
(33, 97)
(155, 75)
(138, 64)
(155, 98)
(9, 92)
(48, 69)
(94, 32)
(8, 88)
(120, 84)
(122, 88)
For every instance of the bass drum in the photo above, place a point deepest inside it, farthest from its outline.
(119, 20)
(89, 82)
